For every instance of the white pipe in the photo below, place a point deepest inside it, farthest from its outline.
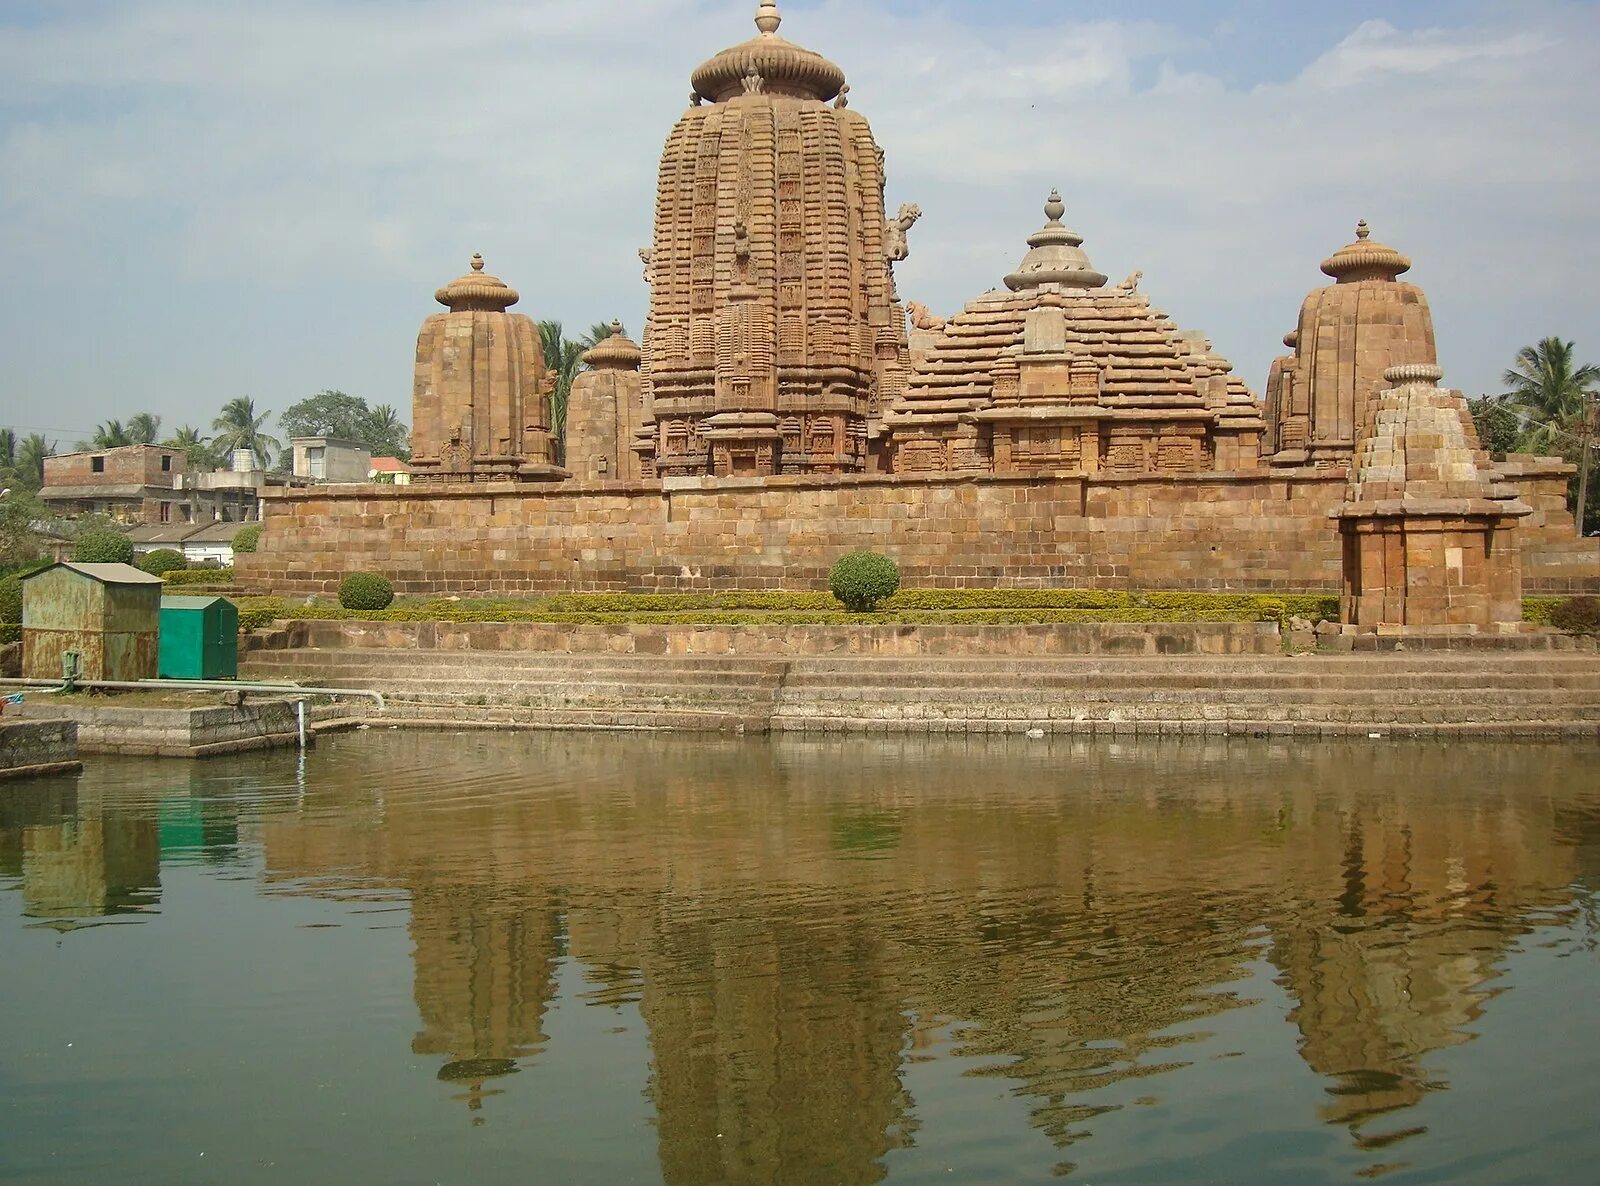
(192, 685)
(300, 719)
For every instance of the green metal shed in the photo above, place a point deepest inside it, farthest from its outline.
(199, 638)
(108, 614)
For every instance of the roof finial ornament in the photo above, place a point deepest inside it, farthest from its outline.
(1363, 231)
(1055, 207)
(477, 262)
(768, 18)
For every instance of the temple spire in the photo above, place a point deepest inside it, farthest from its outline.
(768, 18)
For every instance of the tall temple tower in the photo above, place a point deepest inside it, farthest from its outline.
(775, 332)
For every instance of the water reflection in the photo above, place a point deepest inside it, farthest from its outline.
(798, 923)
(798, 918)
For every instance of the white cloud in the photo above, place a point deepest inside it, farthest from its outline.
(293, 180)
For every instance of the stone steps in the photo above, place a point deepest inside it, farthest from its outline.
(1424, 694)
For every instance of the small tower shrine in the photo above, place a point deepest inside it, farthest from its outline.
(606, 413)
(1349, 333)
(1064, 373)
(775, 334)
(1427, 528)
(478, 403)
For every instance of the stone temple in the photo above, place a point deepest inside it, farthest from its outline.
(1058, 431)
(775, 336)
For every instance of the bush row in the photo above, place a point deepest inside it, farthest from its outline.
(199, 576)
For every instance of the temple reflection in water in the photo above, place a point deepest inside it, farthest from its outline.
(800, 923)
(797, 920)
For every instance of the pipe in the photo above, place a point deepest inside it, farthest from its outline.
(193, 685)
(300, 719)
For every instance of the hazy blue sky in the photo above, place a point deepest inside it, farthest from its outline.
(208, 198)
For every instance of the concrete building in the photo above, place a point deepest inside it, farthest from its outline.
(152, 484)
(330, 460)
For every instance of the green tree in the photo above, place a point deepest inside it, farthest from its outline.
(1499, 427)
(238, 427)
(326, 414)
(8, 448)
(110, 435)
(144, 429)
(565, 358)
(29, 467)
(384, 434)
(19, 538)
(200, 454)
(1558, 398)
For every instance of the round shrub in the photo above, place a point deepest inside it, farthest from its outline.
(103, 547)
(1577, 615)
(11, 600)
(163, 560)
(365, 590)
(248, 538)
(862, 579)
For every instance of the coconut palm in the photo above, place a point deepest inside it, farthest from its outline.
(599, 332)
(1550, 391)
(565, 358)
(143, 429)
(1559, 400)
(110, 435)
(194, 446)
(240, 428)
(384, 433)
(30, 459)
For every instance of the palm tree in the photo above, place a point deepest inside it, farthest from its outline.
(30, 459)
(194, 446)
(599, 332)
(110, 435)
(143, 429)
(240, 428)
(1559, 399)
(384, 432)
(566, 360)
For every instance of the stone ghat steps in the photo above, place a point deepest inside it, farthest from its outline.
(1425, 694)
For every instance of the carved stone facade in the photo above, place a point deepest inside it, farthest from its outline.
(1063, 374)
(775, 333)
(606, 413)
(1426, 522)
(1320, 398)
(479, 398)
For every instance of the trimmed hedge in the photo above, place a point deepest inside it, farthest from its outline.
(248, 538)
(1577, 615)
(103, 547)
(365, 591)
(862, 579)
(163, 561)
(199, 576)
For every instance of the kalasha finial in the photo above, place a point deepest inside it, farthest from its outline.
(477, 262)
(1055, 207)
(616, 327)
(1363, 231)
(768, 18)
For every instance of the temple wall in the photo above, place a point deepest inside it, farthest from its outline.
(1206, 532)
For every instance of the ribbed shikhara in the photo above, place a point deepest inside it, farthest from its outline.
(775, 333)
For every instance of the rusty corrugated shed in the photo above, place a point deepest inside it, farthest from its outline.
(110, 614)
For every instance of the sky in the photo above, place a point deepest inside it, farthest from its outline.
(201, 199)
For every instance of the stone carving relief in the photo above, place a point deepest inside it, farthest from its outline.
(896, 247)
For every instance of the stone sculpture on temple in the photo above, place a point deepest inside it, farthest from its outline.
(775, 336)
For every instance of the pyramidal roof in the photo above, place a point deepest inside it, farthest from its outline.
(1144, 359)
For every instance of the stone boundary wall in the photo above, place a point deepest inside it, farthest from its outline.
(174, 732)
(990, 642)
(31, 748)
(1212, 532)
